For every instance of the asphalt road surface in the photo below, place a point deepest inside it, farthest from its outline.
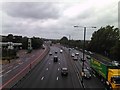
(47, 74)
(94, 82)
(10, 70)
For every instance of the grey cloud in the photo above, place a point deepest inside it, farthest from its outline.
(63, 25)
(34, 10)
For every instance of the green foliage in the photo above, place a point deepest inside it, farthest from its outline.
(71, 43)
(64, 40)
(104, 40)
(36, 43)
(24, 42)
(9, 54)
(115, 51)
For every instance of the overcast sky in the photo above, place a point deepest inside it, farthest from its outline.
(56, 19)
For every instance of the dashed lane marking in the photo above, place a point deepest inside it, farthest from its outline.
(59, 63)
(57, 78)
(46, 68)
(58, 69)
(94, 75)
(15, 67)
(8, 71)
(2, 71)
(42, 78)
(21, 63)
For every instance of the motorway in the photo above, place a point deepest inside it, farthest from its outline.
(94, 82)
(47, 74)
(10, 70)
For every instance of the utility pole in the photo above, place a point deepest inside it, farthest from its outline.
(83, 53)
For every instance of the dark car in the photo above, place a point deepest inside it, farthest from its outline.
(87, 74)
(75, 58)
(50, 53)
(55, 52)
(64, 71)
(55, 59)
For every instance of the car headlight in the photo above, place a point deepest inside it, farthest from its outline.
(107, 82)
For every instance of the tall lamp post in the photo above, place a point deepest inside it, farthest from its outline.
(83, 49)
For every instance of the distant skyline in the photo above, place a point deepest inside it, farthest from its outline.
(53, 20)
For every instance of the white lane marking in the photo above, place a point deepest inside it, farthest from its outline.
(58, 69)
(8, 71)
(42, 78)
(46, 68)
(15, 67)
(2, 71)
(59, 63)
(1, 75)
(57, 78)
(94, 75)
(49, 63)
(21, 63)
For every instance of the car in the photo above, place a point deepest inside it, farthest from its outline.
(77, 54)
(72, 55)
(61, 51)
(55, 52)
(116, 63)
(55, 59)
(88, 57)
(64, 71)
(75, 58)
(90, 52)
(50, 53)
(86, 74)
(86, 51)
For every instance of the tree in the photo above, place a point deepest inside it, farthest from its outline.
(10, 38)
(115, 51)
(64, 40)
(104, 39)
(36, 42)
(24, 42)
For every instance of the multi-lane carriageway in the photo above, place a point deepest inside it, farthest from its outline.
(47, 74)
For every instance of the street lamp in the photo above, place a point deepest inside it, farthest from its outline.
(76, 26)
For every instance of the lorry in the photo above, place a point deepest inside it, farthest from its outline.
(108, 73)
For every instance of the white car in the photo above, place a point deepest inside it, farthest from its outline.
(116, 63)
(90, 53)
(72, 55)
(76, 54)
(61, 51)
(88, 57)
